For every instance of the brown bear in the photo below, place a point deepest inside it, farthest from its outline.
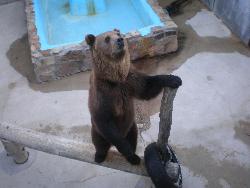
(113, 85)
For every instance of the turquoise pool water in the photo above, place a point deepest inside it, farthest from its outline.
(57, 26)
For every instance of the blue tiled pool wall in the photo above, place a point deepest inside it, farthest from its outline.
(86, 7)
(147, 14)
(40, 22)
(48, 12)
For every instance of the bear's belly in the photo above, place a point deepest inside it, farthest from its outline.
(117, 103)
(124, 117)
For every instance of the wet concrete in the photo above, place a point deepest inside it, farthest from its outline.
(242, 131)
(12, 85)
(201, 161)
(19, 57)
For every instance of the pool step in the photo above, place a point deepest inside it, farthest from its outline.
(87, 7)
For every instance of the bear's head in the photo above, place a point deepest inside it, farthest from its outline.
(111, 60)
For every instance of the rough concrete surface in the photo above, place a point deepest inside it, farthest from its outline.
(7, 1)
(211, 121)
(212, 26)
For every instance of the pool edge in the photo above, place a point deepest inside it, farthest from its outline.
(63, 61)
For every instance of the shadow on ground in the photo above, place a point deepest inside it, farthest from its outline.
(19, 57)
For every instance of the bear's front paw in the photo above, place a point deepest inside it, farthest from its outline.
(99, 158)
(174, 81)
(134, 159)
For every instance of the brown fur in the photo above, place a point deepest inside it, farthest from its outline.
(113, 85)
(105, 65)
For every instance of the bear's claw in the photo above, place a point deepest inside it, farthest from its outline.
(134, 159)
(175, 81)
(99, 158)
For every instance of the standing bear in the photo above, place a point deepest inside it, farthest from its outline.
(113, 86)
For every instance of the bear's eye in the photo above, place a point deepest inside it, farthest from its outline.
(107, 39)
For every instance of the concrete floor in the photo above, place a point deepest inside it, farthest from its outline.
(211, 121)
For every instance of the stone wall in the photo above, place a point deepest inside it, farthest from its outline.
(235, 14)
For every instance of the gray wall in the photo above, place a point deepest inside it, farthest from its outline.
(6, 1)
(235, 14)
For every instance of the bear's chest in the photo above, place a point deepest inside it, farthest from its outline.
(123, 113)
(122, 103)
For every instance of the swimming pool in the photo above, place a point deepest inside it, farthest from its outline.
(59, 24)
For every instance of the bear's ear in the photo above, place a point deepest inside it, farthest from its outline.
(90, 40)
(117, 30)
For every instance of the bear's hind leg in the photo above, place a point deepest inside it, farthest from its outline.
(132, 136)
(101, 146)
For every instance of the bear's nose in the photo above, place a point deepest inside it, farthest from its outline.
(120, 42)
